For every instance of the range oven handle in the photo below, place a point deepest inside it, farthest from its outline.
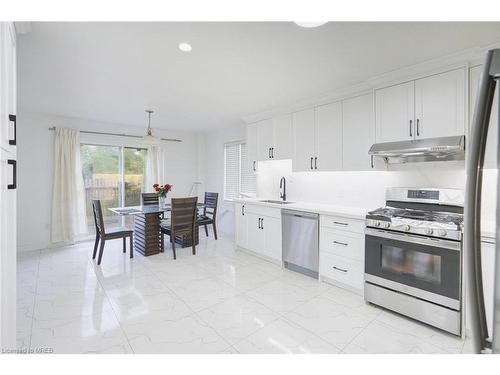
(404, 237)
(472, 212)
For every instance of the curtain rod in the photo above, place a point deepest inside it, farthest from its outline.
(123, 135)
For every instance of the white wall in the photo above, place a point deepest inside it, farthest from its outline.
(35, 169)
(213, 151)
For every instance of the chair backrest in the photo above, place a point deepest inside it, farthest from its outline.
(98, 219)
(149, 199)
(211, 203)
(184, 213)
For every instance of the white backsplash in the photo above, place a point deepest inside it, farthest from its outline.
(365, 189)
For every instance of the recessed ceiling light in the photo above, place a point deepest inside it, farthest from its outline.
(310, 24)
(185, 47)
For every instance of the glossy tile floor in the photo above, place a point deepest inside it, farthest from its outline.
(218, 301)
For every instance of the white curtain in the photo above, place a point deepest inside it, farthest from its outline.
(68, 197)
(154, 167)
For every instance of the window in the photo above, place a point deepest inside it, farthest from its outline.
(115, 176)
(238, 176)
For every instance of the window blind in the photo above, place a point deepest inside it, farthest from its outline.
(238, 177)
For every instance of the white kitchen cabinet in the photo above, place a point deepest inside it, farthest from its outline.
(429, 107)
(8, 197)
(358, 133)
(252, 147)
(394, 112)
(283, 144)
(258, 229)
(328, 133)
(342, 251)
(304, 138)
(490, 157)
(255, 235)
(440, 105)
(241, 230)
(265, 139)
(272, 243)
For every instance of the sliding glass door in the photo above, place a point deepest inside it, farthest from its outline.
(114, 175)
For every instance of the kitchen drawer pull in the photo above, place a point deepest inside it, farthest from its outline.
(12, 118)
(312, 162)
(269, 152)
(411, 125)
(339, 269)
(315, 163)
(254, 166)
(262, 223)
(242, 210)
(341, 243)
(418, 127)
(340, 223)
(259, 223)
(272, 152)
(14, 174)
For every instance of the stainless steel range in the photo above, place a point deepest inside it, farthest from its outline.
(413, 255)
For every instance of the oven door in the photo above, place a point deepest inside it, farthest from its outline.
(426, 268)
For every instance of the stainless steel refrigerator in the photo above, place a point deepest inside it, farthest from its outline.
(472, 220)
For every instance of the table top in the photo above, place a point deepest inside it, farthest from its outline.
(149, 209)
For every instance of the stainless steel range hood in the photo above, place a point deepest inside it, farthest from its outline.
(431, 149)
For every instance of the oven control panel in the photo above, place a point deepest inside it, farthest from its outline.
(423, 194)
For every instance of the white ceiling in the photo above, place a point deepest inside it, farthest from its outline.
(112, 71)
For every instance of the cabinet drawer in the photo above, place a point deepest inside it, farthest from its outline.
(345, 271)
(343, 223)
(342, 243)
(263, 210)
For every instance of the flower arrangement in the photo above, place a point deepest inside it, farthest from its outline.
(162, 190)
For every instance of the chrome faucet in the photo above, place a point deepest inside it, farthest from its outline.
(283, 186)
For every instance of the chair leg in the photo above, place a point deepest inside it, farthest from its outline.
(95, 246)
(193, 244)
(215, 230)
(162, 242)
(172, 239)
(131, 246)
(101, 249)
(206, 230)
(124, 245)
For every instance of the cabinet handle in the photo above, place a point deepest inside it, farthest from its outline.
(14, 174)
(269, 152)
(258, 225)
(340, 223)
(254, 166)
(411, 126)
(272, 152)
(315, 163)
(371, 161)
(262, 223)
(339, 269)
(12, 118)
(312, 162)
(243, 210)
(418, 127)
(340, 243)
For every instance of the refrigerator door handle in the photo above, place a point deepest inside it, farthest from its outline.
(472, 217)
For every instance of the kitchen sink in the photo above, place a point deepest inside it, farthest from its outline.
(275, 202)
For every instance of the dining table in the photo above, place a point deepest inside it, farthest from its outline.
(147, 219)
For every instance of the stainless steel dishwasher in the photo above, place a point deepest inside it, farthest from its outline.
(300, 241)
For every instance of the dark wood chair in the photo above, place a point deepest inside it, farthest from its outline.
(209, 215)
(149, 199)
(102, 235)
(182, 222)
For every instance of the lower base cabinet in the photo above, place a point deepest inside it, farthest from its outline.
(258, 229)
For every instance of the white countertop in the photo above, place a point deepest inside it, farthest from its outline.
(319, 208)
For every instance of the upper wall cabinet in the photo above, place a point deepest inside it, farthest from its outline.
(395, 112)
(492, 140)
(358, 133)
(317, 138)
(273, 138)
(304, 139)
(430, 107)
(252, 147)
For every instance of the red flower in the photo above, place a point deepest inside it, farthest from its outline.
(156, 185)
(157, 188)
